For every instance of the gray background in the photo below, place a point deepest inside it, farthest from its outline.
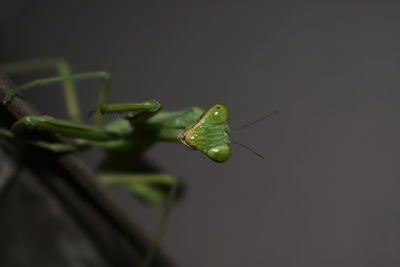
(327, 192)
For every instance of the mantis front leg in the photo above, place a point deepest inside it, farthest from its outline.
(136, 112)
(142, 111)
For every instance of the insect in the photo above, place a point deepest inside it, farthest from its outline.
(141, 125)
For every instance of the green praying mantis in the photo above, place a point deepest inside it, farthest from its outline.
(142, 124)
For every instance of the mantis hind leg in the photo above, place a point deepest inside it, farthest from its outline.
(62, 68)
(70, 98)
(147, 187)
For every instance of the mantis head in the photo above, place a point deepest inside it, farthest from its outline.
(210, 134)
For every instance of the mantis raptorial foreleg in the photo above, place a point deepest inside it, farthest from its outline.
(140, 111)
(135, 112)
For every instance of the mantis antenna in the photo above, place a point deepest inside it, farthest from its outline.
(250, 124)
(256, 121)
(249, 149)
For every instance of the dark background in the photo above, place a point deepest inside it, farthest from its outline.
(327, 192)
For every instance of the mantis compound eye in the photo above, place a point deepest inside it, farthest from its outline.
(219, 153)
(217, 114)
(190, 139)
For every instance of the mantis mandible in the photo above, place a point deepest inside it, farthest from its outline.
(142, 124)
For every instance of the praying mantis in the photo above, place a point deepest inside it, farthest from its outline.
(142, 124)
